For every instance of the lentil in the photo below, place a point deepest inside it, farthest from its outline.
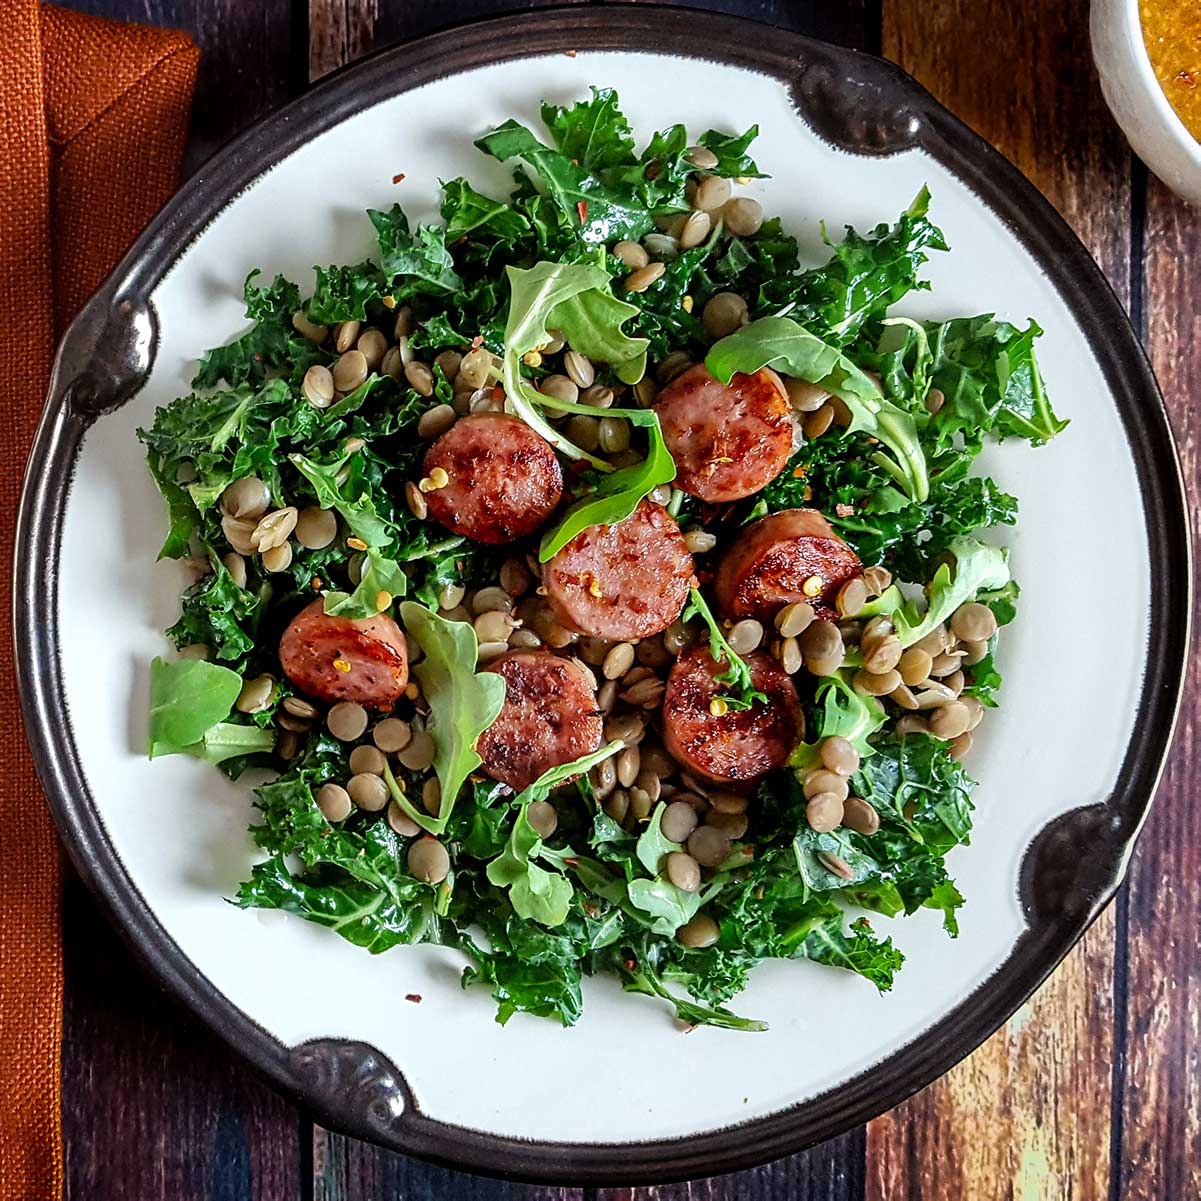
(640, 280)
(708, 846)
(724, 312)
(372, 345)
(428, 860)
(316, 528)
(246, 499)
(683, 871)
(701, 931)
(742, 216)
(346, 721)
(367, 760)
(711, 193)
(418, 753)
(859, 816)
(256, 694)
(678, 821)
(401, 822)
(368, 792)
(346, 334)
(804, 396)
(824, 812)
(334, 802)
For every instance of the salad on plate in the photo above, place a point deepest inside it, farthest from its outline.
(601, 586)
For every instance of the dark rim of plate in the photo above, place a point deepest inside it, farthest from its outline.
(857, 102)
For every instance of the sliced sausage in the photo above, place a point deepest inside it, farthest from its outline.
(741, 744)
(549, 717)
(728, 440)
(789, 556)
(504, 480)
(623, 581)
(336, 659)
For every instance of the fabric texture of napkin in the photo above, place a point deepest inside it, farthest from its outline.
(93, 119)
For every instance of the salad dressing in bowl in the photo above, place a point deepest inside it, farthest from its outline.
(1172, 33)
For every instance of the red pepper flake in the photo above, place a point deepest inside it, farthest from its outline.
(630, 964)
(477, 341)
(572, 862)
(581, 207)
(498, 393)
(415, 997)
(398, 178)
(798, 472)
(570, 53)
(844, 510)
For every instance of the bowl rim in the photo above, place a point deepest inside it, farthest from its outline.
(853, 100)
(1129, 13)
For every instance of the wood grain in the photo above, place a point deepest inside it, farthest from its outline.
(1160, 1101)
(154, 1107)
(1027, 1116)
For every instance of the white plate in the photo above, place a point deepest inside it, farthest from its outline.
(1091, 667)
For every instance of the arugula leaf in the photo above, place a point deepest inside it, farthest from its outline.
(653, 844)
(591, 322)
(187, 698)
(380, 575)
(841, 712)
(534, 296)
(535, 893)
(230, 740)
(463, 702)
(616, 496)
(738, 675)
(669, 906)
(978, 567)
(781, 343)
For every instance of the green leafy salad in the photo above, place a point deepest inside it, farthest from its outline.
(602, 586)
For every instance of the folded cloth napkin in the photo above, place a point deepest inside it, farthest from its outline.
(93, 118)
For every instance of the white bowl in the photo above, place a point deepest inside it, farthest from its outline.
(1136, 98)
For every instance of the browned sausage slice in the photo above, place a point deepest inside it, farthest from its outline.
(789, 556)
(549, 717)
(623, 581)
(741, 744)
(504, 480)
(336, 659)
(728, 440)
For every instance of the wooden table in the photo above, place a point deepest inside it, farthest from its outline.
(1093, 1090)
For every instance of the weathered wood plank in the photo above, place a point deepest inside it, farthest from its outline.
(832, 1172)
(1028, 1116)
(154, 1106)
(348, 1170)
(1160, 1149)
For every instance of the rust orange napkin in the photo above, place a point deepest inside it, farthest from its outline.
(93, 118)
